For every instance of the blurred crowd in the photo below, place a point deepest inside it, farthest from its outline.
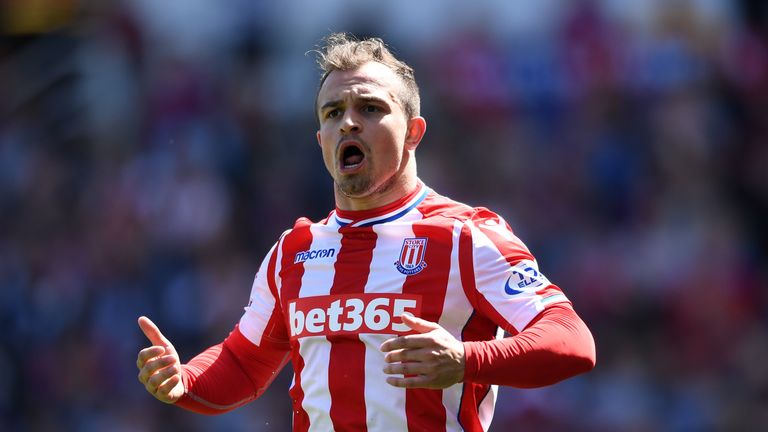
(151, 152)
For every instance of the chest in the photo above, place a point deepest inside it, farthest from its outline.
(386, 259)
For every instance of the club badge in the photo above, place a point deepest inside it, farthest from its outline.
(412, 256)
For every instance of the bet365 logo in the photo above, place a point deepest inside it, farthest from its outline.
(351, 314)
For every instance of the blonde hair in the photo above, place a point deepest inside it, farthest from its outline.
(344, 52)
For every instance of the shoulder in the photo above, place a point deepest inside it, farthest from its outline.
(436, 205)
(482, 228)
(304, 224)
(301, 229)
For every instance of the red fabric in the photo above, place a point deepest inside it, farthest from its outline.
(556, 345)
(346, 366)
(299, 239)
(230, 374)
(424, 407)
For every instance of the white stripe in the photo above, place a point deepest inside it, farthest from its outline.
(557, 298)
(336, 218)
(384, 404)
(487, 406)
(279, 265)
(491, 272)
(261, 305)
(316, 350)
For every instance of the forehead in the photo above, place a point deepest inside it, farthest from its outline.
(371, 79)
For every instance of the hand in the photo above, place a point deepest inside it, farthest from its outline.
(433, 358)
(159, 365)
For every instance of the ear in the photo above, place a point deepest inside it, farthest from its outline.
(417, 126)
(319, 141)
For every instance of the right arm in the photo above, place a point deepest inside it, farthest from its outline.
(229, 374)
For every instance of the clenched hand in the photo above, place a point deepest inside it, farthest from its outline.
(159, 365)
(431, 359)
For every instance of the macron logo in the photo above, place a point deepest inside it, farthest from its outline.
(312, 254)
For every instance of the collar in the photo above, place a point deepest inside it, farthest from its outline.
(387, 213)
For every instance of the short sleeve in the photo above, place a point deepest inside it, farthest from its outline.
(262, 322)
(509, 288)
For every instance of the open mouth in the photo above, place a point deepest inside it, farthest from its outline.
(352, 156)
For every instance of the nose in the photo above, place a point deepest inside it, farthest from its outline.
(350, 123)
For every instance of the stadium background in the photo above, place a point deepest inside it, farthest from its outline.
(151, 151)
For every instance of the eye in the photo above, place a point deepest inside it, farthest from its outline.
(332, 113)
(371, 108)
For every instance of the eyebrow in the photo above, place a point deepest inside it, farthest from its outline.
(331, 104)
(337, 102)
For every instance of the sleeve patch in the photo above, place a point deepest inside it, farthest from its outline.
(525, 278)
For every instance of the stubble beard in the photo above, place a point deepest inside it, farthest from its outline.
(353, 187)
(358, 186)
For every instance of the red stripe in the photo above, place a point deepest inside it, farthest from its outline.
(424, 407)
(478, 328)
(275, 330)
(299, 239)
(346, 370)
(513, 251)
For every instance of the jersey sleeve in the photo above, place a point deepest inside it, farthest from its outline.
(500, 275)
(555, 346)
(232, 373)
(229, 375)
(262, 322)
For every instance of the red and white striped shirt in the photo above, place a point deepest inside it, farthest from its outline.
(332, 292)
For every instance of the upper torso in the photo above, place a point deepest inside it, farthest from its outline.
(333, 291)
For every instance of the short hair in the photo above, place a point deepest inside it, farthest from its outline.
(343, 51)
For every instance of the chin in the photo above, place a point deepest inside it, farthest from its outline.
(355, 189)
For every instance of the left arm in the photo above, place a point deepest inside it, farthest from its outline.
(556, 345)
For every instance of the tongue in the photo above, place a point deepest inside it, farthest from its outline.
(353, 160)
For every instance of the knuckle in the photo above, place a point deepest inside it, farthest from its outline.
(157, 379)
(152, 382)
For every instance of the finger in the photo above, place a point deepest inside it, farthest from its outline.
(160, 376)
(409, 341)
(418, 324)
(152, 332)
(165, 388)
(419, 381)
(147, 354)
(413, 368)
(414, 354)
(155, 365)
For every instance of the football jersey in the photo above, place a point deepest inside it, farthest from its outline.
(333, 291)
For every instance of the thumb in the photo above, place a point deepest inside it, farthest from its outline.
(153, 333)
(418, 324)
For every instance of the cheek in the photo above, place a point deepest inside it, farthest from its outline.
(327, 151)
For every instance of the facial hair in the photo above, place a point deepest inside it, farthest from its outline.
(357, 186)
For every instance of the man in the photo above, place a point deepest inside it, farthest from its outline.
(392, 309)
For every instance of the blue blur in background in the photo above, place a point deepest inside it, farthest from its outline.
(152, 151)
